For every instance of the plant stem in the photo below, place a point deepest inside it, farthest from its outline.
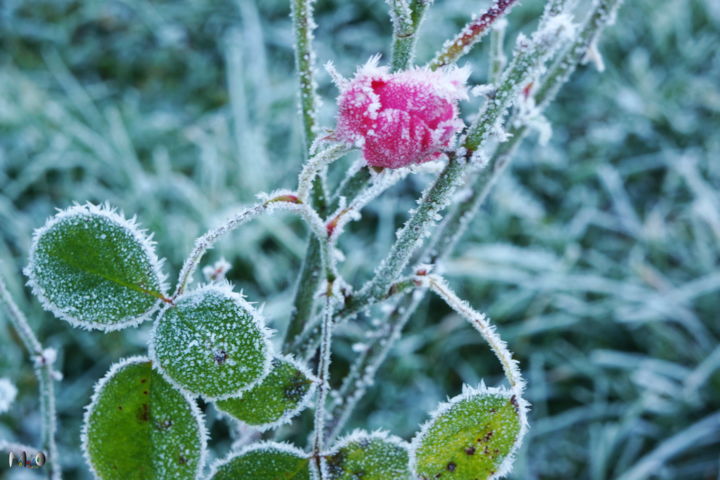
(303, 26)
(455, 224)
(44, 372)
(601, 15)
(481, 323)
(324, 379)
(471, 34)
(314, 165)
(283, 201)
(434, 201)
(350, 187)
(407, 18)
(497, 51)
(310, 276)
(363, 370)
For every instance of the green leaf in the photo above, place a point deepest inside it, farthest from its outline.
(265, 461)
(95, 269)
(471, 437)
(370, 456)
(211, 342)
(138, 427)
(281, 395)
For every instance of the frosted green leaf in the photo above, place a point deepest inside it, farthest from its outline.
(211, 342)
(95, 269)
(285, 392)
(265, 461)
(369, 456)
(471, 437)
(139, 427)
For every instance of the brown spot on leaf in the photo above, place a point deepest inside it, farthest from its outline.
(143, 413)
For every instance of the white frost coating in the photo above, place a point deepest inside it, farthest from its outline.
(224, 289)
(8, 392)
(268, 203)
(594, 56)
(558, 28)
(380, 182)
(467, 393)
(359, 436)
(217, 271)
(483, 90)
(338, 80)
(283, 447)
(46, 357)
(481, 323)
(288, 416)
(139, 235)
(315, 164)
(97, 390)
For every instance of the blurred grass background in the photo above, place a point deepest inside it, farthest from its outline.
(597, 255)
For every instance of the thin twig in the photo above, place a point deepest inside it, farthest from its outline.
(471, 34)
(282, 201)
(482, 324)
(43, 365)
(363, 369)
(406, 17)
(314, 165)
(323, 375)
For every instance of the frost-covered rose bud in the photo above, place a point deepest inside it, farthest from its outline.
(400, 118)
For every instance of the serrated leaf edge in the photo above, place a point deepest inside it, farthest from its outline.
(139, 234)
(467, 393)
(97, 390)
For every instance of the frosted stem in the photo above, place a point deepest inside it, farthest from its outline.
(497, 51)
(602, 14)
(284, 201)
(434, 200)
(314, 165)
(530, 55)
(554, 8)
(381, 182)
(364, 368)
(44, 372)
(324, 379)
(482, 324)
(406, 17)
(471, 34)
(303, 26)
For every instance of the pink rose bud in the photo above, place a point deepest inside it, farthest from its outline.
(400, 118)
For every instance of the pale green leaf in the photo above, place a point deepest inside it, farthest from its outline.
(471, 437)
